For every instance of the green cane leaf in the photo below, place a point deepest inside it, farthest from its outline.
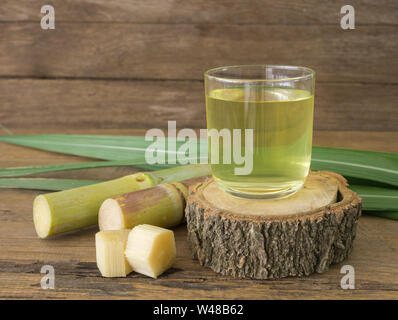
(369, 165)
(25, 171)
(374, 166)
(376, 198)
(44, 184)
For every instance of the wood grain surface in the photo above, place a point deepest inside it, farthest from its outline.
(112, 67)
(186, 51)
(22, 254)
(83, 104)
(194, 11)
(148, 58)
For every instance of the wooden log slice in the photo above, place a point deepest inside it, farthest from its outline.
(295, 236)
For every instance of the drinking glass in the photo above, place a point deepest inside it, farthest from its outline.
(259, 121)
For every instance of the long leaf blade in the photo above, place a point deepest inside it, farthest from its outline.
(45, 184)
(25, 171)
(376, 198)
(375, 166)
(92, 146)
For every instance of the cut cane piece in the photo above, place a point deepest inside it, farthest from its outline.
(150, 250)
(161, 206)
(110, 246)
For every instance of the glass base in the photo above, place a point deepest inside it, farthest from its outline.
(250, 193)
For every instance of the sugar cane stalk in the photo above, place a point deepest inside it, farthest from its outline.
(162, 205)
(73, 209)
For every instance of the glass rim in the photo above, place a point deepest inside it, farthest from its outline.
(311, 73)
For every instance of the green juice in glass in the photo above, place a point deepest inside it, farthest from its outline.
(281, 119)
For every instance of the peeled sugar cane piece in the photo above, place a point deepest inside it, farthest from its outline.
(150, 250)
(162, 206)
(110, 247)
(77, 208)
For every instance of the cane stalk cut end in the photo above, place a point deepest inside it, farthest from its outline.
(162, 205)
(42, 216)
(110, 216)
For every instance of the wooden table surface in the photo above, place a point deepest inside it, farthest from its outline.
(22, 254)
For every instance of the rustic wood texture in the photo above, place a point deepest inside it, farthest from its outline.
(73, 256)
(119, 43)
(295, 236)
(193, 11)
(111, 66)
(82, 104)
(186, 51)
(320, 190)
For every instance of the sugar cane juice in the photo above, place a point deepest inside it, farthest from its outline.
(281, 119)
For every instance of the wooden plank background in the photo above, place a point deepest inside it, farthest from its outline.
(282, 12)
(124, 66)
(142, 62)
